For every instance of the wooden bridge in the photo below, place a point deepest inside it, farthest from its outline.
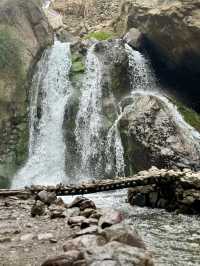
(97, 185)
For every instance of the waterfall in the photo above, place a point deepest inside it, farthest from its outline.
(101, 151)
(51, 89)
(143, 82)
(89, 121)
(115, 151)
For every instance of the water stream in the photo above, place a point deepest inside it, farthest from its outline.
(51, 89)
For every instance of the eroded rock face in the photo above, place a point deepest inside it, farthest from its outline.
(173, 26)
(83, 16)
(172, 38)
(153, 134)
(24, 32)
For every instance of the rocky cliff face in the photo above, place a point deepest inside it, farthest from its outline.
(24, 33)
(173, 26)
(172, 32)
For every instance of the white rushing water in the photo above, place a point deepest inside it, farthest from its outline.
(89, 118)
(93, 145)
(115, 150)
(51, 89)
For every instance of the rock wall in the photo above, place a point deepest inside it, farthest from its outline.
(172, 32)
(173, 190)
(24, 33)
(82, 16)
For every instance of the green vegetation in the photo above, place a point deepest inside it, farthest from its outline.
(99, 35)
(10, 59)
(78, 65)
(190, 116)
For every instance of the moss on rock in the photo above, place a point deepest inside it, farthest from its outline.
(100, 35)
(190, 116)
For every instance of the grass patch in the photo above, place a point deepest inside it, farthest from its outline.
(78, 65)
(99, 35)
(190, 116)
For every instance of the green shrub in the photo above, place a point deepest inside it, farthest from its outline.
(190, 116)
(99, 35)
(78, 65)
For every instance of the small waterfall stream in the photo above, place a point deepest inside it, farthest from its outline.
(50, 90)
(89, 121)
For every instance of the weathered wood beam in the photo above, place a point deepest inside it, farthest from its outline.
(87, 188)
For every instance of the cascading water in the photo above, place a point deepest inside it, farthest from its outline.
(115, 151)
(143, 82)
(51, 89)
(100, 151)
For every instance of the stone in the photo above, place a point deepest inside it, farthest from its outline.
(57, 212)
(39, 208)
(87, 212)
(92, 229)
(71, 212)
(45, 236)
(134, 38)
(110, 217)
(123, 233)
(87, 204)
(27, 237)
(76, 220)
(115, 253)
(76, 202)
(47, 197)
(67, 259)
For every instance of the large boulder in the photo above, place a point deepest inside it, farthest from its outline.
(154, 133)
(24, 33)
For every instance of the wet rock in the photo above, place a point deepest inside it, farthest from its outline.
(134, 38)
(39, 208)
(109, 218)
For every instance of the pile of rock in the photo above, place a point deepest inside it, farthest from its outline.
(172, 190)
(100, 236)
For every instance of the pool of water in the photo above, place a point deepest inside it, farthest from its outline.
(173, 239)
